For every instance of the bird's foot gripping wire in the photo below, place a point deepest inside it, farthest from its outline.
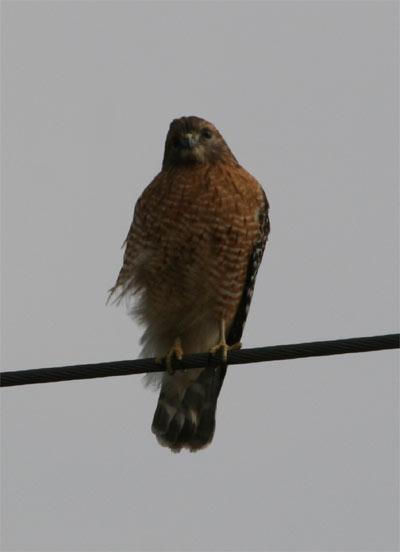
(223, 346)
(176, 350)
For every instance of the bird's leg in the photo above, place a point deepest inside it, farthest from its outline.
(223, 344)
(176, 350)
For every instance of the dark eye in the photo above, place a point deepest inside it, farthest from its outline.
(175, 141)
(206, 133)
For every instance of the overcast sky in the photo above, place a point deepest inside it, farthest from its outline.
(305, 455)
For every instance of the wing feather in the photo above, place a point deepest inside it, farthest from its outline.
(236, 329)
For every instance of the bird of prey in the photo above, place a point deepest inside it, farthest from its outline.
(192, 254)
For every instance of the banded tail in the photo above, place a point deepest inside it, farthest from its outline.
(185, 413)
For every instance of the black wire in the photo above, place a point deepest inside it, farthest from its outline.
(244, 356)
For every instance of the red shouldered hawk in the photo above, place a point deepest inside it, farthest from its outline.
(192, 255)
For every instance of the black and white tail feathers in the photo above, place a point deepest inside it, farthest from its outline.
(185, 413)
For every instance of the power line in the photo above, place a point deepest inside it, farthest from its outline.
(244, 356)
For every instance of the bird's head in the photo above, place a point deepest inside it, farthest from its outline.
(192, 141)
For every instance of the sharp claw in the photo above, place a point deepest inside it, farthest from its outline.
(225, 348)
(177, 351)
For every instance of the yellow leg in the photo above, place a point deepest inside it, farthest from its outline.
(176, 350)
(223, 344)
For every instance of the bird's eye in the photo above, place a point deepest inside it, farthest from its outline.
(207, 133)
(175, 141)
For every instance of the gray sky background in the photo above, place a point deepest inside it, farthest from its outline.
(305, 455)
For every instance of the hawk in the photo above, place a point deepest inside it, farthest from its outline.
(192, 255)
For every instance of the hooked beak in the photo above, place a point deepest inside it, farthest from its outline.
(189, 141)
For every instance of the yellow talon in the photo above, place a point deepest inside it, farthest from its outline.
(225, 348)
(223, 344)
(176, 350)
